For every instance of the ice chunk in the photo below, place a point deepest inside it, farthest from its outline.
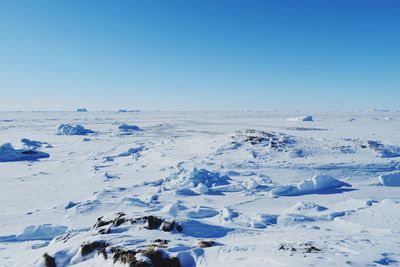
(228, 214)
(32, 144)
(261, 220)
(192, 178)
(384, 151)
(316, 184)
(202, 189)
(301, 118)
(199, 179)
(8, 153)
(390, 179)
(128, 129)
(66, 129)
(81, 110)
(131, 151)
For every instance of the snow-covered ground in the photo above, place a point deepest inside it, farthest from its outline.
(199, 189)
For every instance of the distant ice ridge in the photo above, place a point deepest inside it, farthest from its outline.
(301, 118)
(317, 184)
(66, 129)
(39, 232)
(8, 153)
(81, 110)
(390, 179)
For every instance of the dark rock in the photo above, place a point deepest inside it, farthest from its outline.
(205, 244)
(311, 249)
(101, 223)
(178, 227)
(49, 261)
(103, 252)
(153, 222)
(118, 221)
(160, 243)
(126, 257)
(104, 231)
(93, 246)
(158, 259)
(168, 226)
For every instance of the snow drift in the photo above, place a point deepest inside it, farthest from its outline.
(316, 184)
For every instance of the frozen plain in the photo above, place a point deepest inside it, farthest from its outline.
(267, 190)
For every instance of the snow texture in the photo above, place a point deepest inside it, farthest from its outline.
(199, 189)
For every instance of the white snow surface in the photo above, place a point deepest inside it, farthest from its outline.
(266, 191)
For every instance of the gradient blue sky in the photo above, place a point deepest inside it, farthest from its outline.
(199, 55)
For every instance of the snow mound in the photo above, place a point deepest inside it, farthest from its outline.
(306, 207)
(8, 153)
(173, 209)
(301, 118)
(81, 110)
(317, 184)
(260, 220)
(202, 212)
(390, 179)
(128, 129)
(41, 232)
(199, 180)
(66, 129)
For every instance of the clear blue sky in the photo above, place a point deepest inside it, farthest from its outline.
(199, 54)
